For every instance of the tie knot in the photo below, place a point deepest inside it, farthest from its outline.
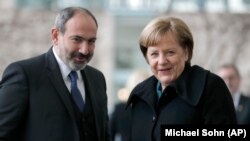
(73, 76)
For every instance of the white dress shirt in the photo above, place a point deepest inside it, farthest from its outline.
(236, 99)
(65, 70)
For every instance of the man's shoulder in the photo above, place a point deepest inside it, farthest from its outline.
(92, 70)
(35, 59)
(32, 62)
(245, 97)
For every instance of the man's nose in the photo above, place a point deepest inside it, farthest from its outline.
(84, 48)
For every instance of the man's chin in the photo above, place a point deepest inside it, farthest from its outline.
(78, 66)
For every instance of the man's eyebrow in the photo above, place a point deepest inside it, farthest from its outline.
(93, 38)
(77, 36)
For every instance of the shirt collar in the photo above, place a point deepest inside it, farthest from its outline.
(236, 98)
(65, 70)
(158, 90)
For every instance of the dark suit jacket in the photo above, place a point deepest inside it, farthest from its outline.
(35, 103)
(243, 110)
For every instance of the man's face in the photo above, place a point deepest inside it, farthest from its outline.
(76, 46)
(231, 79)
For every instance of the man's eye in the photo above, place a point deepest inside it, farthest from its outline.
(92, 42)
(77, 39)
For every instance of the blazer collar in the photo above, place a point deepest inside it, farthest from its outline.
(94, 94)
(146, 90)
(189, 86)
(243, 103)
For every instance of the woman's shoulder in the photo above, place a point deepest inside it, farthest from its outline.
(146, 84)
(200, 72)
(211, 82)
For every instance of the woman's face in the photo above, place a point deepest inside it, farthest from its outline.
(167, 59)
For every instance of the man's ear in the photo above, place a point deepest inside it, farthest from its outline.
(54, 35)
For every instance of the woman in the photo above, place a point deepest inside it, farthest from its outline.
(177, 93)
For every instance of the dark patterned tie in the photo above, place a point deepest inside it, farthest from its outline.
(75, 93)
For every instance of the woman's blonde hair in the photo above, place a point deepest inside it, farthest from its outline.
(159, 27)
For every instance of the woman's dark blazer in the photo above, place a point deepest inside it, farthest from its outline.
(35, 103)
(196, 97)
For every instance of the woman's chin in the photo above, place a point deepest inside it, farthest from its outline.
(166, 80)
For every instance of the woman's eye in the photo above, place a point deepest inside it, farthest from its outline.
(170, 52)
(154, 54)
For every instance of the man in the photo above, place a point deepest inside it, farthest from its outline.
(230, 74)
(37, 95)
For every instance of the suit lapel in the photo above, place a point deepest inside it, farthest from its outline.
(93, 94)
(241, 107)
(55, 77)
